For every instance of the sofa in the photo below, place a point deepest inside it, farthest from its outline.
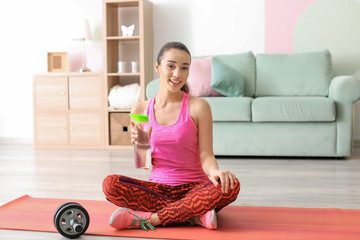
(290, 105)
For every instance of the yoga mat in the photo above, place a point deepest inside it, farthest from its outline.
(234, 222)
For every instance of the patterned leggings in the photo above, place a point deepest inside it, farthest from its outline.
(171, 203)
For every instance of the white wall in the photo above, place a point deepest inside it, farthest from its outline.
(210, 26)
(30, 29)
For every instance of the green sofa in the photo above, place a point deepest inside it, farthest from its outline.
(291, 106)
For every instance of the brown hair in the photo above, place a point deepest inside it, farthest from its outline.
(174, 45)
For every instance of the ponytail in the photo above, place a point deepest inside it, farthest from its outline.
(185, 88)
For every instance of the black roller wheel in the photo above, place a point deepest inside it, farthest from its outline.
(61, 206)
(71, 220)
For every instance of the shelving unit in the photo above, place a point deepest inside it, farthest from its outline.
(138, 47)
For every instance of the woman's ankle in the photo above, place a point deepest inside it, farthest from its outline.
(154, 219)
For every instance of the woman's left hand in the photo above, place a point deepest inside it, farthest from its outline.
(225, 178)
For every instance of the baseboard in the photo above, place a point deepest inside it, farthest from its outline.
(356, 144)
(4, 140)
(356, 148)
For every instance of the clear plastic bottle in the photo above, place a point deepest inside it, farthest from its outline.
(142, 150)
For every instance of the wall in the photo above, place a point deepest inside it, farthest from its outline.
(30, 29)
(210, 26)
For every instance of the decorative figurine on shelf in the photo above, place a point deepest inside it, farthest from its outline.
(121, 67)
(134, 67)
(127, 31)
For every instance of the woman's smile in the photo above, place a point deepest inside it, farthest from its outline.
(175, 81)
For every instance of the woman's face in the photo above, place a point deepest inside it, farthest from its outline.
(173, 69)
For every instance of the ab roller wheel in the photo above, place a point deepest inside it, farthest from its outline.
(71, 220)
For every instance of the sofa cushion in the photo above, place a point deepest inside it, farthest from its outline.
(300, 74)
(293, 109)
(230, 108)
(226, 80)
(244, 65)
(199, 79)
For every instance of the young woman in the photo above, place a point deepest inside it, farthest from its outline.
(186, 184)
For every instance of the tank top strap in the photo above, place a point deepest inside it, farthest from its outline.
(185, 101)
(185, 113)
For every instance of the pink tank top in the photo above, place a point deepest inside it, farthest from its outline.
(174, 148)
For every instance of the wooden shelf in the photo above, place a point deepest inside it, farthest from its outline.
(120, 38)
(122, 74)
(119, 110)
(123, 3)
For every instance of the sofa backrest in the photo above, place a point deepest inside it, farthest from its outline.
(299, 74)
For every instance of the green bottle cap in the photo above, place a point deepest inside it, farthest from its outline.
(139, 118)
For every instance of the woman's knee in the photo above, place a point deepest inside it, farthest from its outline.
(108, 183)
(235, 191)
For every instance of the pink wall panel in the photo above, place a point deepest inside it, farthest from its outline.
(280, 21)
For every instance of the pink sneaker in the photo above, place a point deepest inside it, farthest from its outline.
(207, 220)
(127, 218)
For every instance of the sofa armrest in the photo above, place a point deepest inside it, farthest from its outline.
(345, 89)
(152, 88)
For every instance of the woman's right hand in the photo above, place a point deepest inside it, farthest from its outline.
(137, 129)
(134, 133)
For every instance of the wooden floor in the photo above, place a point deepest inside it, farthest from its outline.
(78, 174)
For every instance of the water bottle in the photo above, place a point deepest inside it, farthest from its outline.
(142, 149)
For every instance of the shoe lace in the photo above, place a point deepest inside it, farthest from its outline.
(141, 222)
